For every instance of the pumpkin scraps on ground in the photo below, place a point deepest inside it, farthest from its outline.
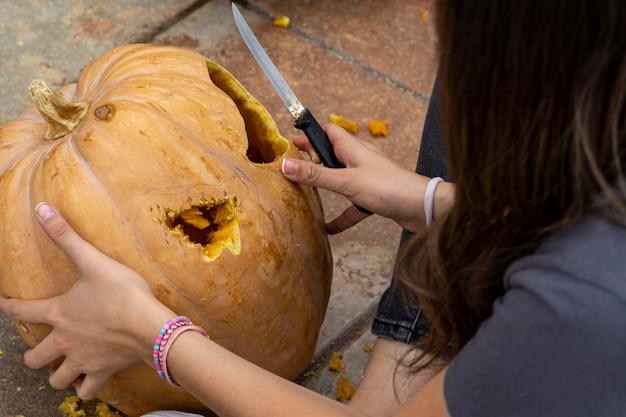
(335, 364)
(345, 390)
(349, 125)
(71, 408)
(378, 127)
(282, 22)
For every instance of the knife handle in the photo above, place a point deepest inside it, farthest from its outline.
(318, 139)
(321, 144)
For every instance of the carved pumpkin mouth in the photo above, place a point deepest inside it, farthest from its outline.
(211, 224)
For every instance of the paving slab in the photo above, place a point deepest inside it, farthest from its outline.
(56, 39)
(363, 60)
(391, 38)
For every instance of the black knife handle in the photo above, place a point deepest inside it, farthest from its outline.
(318, 139)
(321, 144)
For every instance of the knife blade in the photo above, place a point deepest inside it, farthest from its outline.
(304, 120)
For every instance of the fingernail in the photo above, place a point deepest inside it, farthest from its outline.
(44, 211)
(289, 167)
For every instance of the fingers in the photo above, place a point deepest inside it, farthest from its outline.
(330, 179)
(339, 138)
(301, 143)
(86, 385)
(335, 180)
(46, 352)
(304, 145)
(345, 220)
(30, 311)
(63, 376)
(57, 228)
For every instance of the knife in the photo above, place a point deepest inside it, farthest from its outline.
(304, 119)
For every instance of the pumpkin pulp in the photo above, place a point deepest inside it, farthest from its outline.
(212, 224)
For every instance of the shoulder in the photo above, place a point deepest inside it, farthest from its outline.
(554, 344)
(589, 257)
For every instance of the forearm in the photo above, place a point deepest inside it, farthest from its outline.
(231, 386)
(387, 383)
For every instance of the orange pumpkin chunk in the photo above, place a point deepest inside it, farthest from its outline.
(345, 390)
(349, 125)
(335, 364)
(378, 127)
(70, 407)
(282, 22)
(104, 410)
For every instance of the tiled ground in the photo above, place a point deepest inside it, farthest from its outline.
(360, 59)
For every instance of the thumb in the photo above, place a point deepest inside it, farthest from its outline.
(61, 233)
(301, 172)
(314, 175)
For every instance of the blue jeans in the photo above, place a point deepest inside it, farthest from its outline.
(398, 316)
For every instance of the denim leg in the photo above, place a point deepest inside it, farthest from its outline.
(397, 317)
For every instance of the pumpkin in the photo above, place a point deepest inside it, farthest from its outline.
(163, 161)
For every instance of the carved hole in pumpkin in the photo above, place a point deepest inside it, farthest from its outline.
(211, 224)
(265, 144)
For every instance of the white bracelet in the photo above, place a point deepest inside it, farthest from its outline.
(429, 199)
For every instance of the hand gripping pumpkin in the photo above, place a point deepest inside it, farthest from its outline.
(164, 162)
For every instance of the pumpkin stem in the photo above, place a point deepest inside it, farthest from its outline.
(62, 115)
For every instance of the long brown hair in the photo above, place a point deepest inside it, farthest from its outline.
(534, 110)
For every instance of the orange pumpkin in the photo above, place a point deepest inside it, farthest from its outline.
(163, 161)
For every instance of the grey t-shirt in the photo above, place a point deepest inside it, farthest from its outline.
(555, 345)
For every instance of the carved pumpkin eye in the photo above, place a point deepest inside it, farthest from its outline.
(211, 224)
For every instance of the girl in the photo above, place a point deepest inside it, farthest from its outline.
(521, 274)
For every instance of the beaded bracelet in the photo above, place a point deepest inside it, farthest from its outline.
(170, 331)
(175, 333)
(429, 199)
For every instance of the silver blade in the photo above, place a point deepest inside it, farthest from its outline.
(269, 69)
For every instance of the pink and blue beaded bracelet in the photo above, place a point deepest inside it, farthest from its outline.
(170, 331)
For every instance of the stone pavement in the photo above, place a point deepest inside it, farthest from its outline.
(363, 59)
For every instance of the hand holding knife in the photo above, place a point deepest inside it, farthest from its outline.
(304, 119)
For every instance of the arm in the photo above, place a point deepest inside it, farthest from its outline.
(109, 319)
(386, 383)
(370, 180)
(232, 387)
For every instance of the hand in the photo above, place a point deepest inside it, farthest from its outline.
(105, 323)
(370, 180)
